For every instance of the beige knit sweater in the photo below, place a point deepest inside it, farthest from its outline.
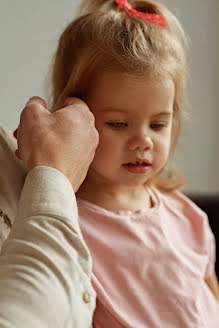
(45, 265)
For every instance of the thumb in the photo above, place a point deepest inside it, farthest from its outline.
(38, 107)
(37, 101)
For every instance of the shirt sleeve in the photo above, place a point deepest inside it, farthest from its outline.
(45, 265)
(210, 249)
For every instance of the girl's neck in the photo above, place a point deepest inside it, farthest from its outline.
(115, 199)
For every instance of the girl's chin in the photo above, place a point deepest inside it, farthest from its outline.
(132, 182)
(128, 179)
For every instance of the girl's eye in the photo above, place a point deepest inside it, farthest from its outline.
(117, 125)
(157, 126)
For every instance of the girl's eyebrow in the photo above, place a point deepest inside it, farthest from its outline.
(111, 109)
(167, 113)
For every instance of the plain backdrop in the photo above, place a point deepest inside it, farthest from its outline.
(29, 32)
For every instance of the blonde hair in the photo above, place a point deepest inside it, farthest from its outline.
(103, 37)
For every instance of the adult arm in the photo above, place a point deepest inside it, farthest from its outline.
(45, 265)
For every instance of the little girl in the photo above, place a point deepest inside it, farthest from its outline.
(152, 249)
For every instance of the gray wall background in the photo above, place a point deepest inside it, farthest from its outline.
(29, 31)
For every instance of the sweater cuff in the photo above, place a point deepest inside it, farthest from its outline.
(47, 191)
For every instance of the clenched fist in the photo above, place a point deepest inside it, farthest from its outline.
(65, 140)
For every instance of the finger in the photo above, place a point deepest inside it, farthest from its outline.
(15, 134)
(74, 104)
(71, 101)
(37, 106)
(37, 100)
(17, 153)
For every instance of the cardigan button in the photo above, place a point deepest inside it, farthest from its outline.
(86, 297)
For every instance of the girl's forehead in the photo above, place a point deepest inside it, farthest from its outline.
(118, 80)
(119, 90)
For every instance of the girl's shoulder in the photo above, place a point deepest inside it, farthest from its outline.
(12, 177)
(177, 201)
(191, 222)
(187, 214)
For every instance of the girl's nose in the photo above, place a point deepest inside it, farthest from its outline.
(141, 142)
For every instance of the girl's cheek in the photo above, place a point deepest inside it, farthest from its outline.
(105, 144)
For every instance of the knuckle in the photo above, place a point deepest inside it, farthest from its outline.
(80, 108)
(32, 107)
(91, 115)
(84, 109)
(71, 101)
(32, 110)
(37, 100)
(96, 137)
(88, 116)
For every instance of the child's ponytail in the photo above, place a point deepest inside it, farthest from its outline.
(93, 5)
(144, 6)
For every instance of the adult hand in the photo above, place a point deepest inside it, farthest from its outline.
(65, 140)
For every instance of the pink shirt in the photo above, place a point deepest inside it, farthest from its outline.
(149, 265)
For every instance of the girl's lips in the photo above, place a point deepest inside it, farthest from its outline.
(139, 161)
(138, 169)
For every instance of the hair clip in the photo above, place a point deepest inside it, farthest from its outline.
(151, 18)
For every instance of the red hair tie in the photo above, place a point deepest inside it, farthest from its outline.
(151, 18)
